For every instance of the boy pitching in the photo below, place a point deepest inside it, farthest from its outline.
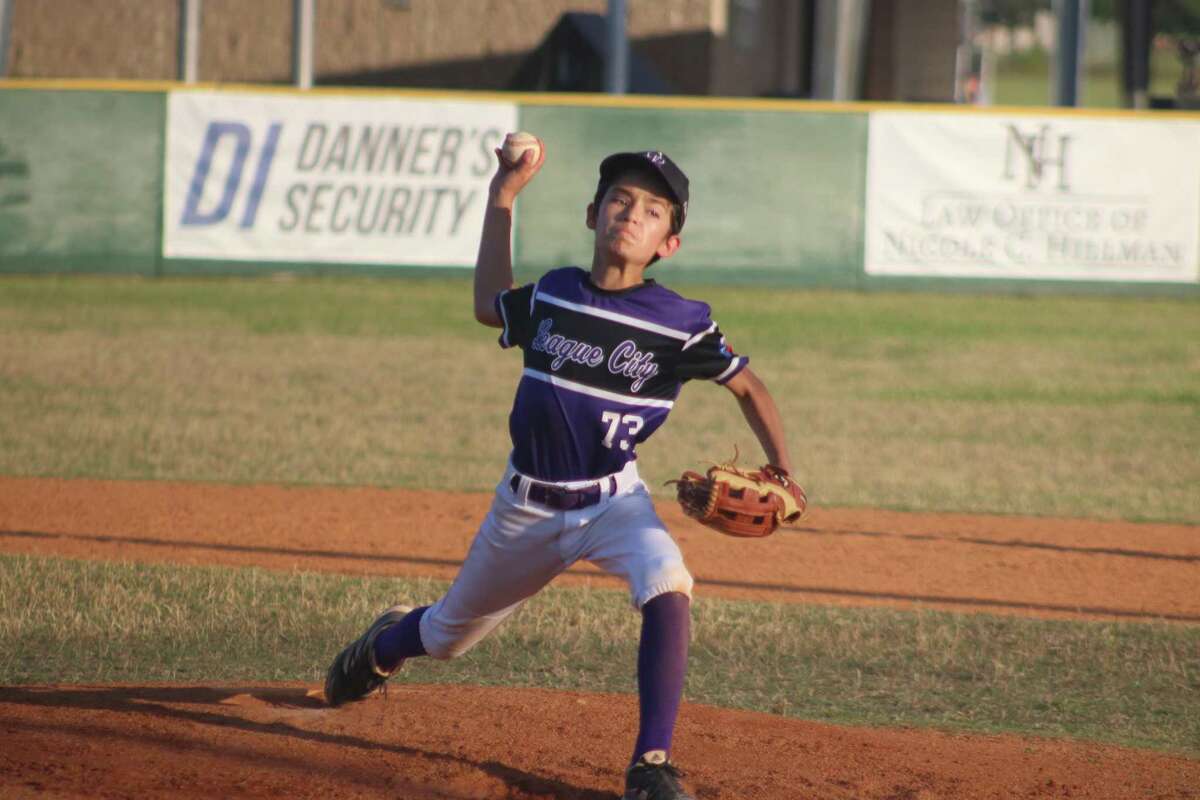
(606, 352)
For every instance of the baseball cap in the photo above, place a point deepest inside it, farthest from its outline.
(657, 162)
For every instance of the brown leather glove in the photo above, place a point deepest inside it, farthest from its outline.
(738, 502)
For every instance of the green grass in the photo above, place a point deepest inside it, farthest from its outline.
(1129, 684)
(1024, 80)
(1052, 405)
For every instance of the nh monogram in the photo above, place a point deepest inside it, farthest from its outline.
(1034, 151)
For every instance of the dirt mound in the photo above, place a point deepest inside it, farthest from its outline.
(469, 742)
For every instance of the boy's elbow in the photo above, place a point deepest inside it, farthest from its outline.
(745, 384)
(486, 315)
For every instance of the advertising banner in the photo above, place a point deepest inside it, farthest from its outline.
(376, 180)
(1024, 196)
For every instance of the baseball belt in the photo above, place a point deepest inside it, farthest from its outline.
(561, 499)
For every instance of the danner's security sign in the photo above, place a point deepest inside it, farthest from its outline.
(262, 177)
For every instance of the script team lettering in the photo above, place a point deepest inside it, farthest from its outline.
(626, 359)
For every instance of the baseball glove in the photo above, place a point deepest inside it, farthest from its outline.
(738, 502)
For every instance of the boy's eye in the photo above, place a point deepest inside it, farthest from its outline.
(654, 212)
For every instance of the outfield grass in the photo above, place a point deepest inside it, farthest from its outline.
(1024, 80)
(1129, 684)
(1077, 406)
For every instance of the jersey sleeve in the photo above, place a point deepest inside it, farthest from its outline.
(515, 307)
(708, 356)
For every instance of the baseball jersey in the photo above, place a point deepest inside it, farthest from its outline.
(602, 369)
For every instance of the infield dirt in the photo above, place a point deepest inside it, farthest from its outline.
(467, 742)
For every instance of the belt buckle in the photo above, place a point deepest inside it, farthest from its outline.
(561, 498)
(569, 499)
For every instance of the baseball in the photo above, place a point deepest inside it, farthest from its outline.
(515, 145)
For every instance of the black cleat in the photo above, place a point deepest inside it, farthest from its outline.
(353, 674)
(653, 777)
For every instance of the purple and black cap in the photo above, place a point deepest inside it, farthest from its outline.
(655, 161)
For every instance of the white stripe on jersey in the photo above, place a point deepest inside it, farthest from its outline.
(700, 336)
(572, 386)
(614, 316)
(732, 366)
(504, 317)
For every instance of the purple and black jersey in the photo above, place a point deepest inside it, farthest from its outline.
(602, 369)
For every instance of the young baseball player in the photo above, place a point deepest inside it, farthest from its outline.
(606, 352)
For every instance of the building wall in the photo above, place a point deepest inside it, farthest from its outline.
(456, 43)
(124, 39)
(749, 51)
(925, 36)
(721, 47)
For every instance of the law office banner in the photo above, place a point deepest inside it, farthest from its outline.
(372, 179)
(1033, 197)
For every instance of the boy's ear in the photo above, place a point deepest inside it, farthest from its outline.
(591, 216)
(669, 246)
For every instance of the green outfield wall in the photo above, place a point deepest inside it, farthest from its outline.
(776, 196)
(165, 180)
(80, 181)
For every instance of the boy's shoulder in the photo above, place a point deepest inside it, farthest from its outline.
(651, 301)
(693, 315)
(562, 279)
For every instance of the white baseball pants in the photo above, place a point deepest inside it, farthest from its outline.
(521, 546)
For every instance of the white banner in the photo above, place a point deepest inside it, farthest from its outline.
(1048, 197)
(376, 180)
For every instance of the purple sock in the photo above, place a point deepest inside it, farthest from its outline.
(662, 664)
(400, 641)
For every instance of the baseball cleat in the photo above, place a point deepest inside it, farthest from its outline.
(353, 674)
(653, 777)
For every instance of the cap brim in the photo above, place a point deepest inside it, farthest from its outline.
(617, 163)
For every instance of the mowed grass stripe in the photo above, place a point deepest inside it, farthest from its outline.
(1063, 406)
(65, 621)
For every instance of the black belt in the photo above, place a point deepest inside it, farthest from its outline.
(561, 499)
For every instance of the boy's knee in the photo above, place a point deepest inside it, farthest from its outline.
(666, 576)
(444, 651)
(446, 641)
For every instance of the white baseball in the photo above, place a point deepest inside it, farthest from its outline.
(515, 145)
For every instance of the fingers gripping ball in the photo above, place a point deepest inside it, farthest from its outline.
(739, 502)
(517, 144)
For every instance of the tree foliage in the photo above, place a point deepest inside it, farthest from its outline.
(1011, 13)
(1176, 17)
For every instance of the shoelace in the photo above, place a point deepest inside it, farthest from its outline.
(673, 773)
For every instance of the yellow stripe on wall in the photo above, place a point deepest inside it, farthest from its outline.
(592, 100)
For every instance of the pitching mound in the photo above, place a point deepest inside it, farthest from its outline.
(483, 743)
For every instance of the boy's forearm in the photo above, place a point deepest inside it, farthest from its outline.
(493, 266)
(764, 419)
(761, 413)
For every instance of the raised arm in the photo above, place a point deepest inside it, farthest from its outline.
(493, 266)
(762, 415)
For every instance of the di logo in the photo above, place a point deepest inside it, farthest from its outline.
(243, 164)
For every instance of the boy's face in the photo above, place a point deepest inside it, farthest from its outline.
(633, 221)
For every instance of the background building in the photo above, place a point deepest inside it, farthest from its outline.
(704, 47)
(1138, 52)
